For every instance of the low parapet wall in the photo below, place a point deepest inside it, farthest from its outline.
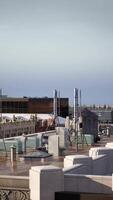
(76, 169)
(14, 187)
(99, 165)
(21, 182)
(88, 183)
(46, 180)
(81, 163)
(99, 162)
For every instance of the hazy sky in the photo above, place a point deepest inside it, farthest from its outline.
(62, 44)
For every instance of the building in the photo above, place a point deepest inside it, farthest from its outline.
(104, 116)
(33, 105)
(15, 124)
(17, 128)
(89, 122)
(105, 113)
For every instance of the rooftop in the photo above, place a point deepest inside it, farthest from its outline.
(22, 167)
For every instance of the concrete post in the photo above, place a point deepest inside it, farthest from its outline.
(24, 139)
(67, 123)
(45, 181)
(13, 153)
(53, 145)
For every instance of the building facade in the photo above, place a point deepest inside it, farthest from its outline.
(17, 128)
(89, 123)
(33, 105)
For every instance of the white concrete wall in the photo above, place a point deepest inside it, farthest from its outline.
(100, 165)
(95, 152)
(53, 145)
(63, 137)
(76, 169)
(45, 181)
(85, 161)
(96, 163)
(21, 182)
(107, 160)
(89, 183)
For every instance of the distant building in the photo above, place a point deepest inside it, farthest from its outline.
(104, 112)
(104, 116)
(16, 124)
(89, 123)
(86, 123)
(17, 128)
(33, 105)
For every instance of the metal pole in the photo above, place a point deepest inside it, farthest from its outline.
(80, 102)
(76, 116)
(1, 121)
(55, 106)
(59, 103)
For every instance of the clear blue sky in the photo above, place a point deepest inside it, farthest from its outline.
(62, 44)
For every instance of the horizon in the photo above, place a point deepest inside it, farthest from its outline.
(71, 103)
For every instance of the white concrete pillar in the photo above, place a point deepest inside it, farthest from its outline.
(53, 145)
(67, 123)
(13, 153)
(24, 140)
(45, 181)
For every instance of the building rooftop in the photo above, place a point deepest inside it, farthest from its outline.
(22, 167)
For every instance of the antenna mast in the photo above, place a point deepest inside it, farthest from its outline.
(59, 103)
(80, 102)
(76, 115)
(55, 106)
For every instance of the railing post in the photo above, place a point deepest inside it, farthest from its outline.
(45, 181)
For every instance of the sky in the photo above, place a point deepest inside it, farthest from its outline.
(57, 44)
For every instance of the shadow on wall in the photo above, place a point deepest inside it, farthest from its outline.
(81, 196)
(88, 184)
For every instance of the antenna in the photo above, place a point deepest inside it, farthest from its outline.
(75, 104)
(83, 138)
(59, 103)
(80, 102)
(76, 116)
(55, 105)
